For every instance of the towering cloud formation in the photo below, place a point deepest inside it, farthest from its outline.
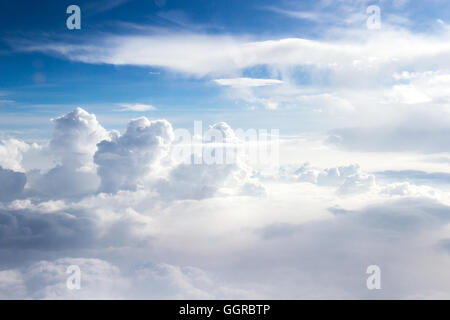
(221, 168)
(124, 162)
(75, 138)
(73, 145)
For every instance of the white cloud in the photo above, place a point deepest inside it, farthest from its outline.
(247, 82)
(407, 189)
(73, 145)
(126, 160)
(75, 137)
(327, 102)
(137, 107)
(175, 282)
(11, 153)
(221, 171)
(201, 55)
(165, 229)
(346, 179)
(99, 280)
(350, 74)
(103, 280)
(401, 138)
(199, 181)
(408, 94)
(170, 230)
(251, 246)
(12, 285)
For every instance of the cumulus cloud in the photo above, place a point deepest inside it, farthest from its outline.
(258, 234)
(407, 189)
(346, 179)
(11, 153)
(199, 181)
(72, 146)
(357, 182)
(126, 160)
(220, 169)
(75, 137)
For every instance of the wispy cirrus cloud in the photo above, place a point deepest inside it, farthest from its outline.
(6, 102)
(203, 55)
(136, 107)
(247, 82)
(305, 15)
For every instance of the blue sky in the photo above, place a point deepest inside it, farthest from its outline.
(39, 84)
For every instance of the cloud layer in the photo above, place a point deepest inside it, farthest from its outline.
(139, 224)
